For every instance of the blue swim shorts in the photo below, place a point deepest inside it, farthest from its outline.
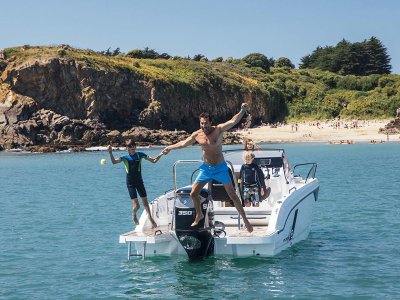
(218, 172)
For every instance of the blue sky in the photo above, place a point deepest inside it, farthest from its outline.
(227, 28)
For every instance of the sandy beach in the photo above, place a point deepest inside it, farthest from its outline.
(328, 132)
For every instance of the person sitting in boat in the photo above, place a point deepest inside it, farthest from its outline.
(251, 179)
(249, 145)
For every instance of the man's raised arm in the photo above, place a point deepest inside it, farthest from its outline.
(182, 144)
(235, 119)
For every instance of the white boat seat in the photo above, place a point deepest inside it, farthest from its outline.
(248, 210)
(229, 215)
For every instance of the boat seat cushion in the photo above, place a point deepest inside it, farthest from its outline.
(186, 191)
(218, 192)
(248, 210)
(229, 216)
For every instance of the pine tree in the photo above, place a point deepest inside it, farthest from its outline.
(378, 60)
(360, 58)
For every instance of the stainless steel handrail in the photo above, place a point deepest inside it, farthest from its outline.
(236, 187)
(174, 169)
(311, 172)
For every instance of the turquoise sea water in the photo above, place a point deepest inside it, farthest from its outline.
(61, 215)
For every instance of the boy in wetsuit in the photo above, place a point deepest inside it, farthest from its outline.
(250, 176)
(134, 181)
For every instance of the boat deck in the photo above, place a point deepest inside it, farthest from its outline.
(257, 231)
(148, 232)
(152, 232)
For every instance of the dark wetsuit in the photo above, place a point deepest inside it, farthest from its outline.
(134, 181)
(251, 176)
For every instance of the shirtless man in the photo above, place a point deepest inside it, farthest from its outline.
(214, 167)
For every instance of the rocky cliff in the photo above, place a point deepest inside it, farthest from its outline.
(62, 101)
(393, 127)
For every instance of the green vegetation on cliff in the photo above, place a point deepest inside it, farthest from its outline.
(287, 93)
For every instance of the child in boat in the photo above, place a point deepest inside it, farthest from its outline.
(250, 181)
(249, 145)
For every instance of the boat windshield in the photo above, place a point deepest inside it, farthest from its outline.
(270, 158)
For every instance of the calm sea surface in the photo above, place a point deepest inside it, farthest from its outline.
(61, 215)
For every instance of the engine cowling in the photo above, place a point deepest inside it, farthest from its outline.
(197, 241)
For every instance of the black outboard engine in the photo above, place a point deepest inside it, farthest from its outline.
(197, 241)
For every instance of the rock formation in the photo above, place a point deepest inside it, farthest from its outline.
(58, 103)
(392, 127)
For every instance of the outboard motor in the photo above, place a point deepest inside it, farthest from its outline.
(197, 241)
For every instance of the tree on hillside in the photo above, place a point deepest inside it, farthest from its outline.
(282, 62)
(108, 52)
(341, 58)
(257, 60)
(200, 57)
(360, 58)
(164, 56)
(306, 62)
(379, 61)
(218, 59)
(271, 61)
(146, 53)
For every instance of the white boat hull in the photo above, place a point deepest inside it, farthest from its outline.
(278, 224)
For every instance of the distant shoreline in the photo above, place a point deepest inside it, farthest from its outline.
(307, 132)
(345, 132)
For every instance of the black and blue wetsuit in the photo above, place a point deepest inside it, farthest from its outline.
(134, 181)
(253, 180)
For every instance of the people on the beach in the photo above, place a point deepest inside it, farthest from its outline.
(210, 138)
(134, 181)
(250, 180)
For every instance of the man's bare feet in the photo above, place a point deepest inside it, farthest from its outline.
(135, 220)
(197, 220)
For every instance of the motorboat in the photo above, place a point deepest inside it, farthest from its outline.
(282, 219)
